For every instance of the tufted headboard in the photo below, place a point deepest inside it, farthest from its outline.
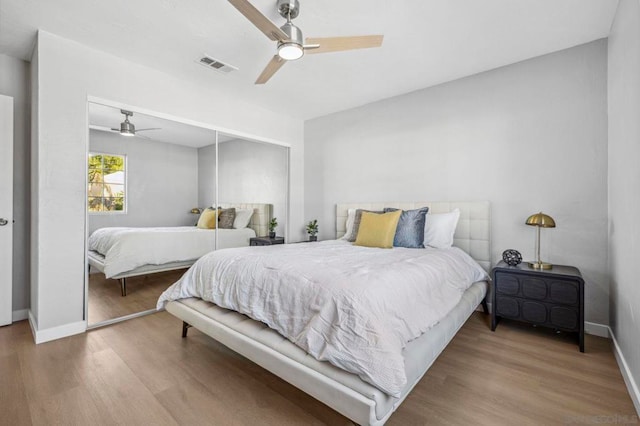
(472, 234)
(262, 214)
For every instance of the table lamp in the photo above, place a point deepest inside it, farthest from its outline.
(540, 220)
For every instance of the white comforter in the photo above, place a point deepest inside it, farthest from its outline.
(354, 307)
(125, 249)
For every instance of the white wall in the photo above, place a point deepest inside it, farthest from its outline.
(249, 172)
(162, 181)
(527, 137)
(14, 82)
(67, 74)
(624, 182)
(34, 183)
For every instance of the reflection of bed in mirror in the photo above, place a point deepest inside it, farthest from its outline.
(363, 401)
(120, 253)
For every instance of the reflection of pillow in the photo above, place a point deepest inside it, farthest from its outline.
(410, 231)
(439, 229)
(226, 218)
(208, 219)
(243, 216)
(377, 230)
(351, 216)
(356, 223)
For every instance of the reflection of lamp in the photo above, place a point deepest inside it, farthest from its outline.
(196, 210)
(540, 220)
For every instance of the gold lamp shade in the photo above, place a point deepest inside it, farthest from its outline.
(540, 220)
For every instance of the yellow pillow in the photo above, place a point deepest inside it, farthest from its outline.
(208, 219)
(378, 230)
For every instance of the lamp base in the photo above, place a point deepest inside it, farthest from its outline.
(540, 265)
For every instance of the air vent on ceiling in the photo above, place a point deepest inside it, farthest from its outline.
(215, 64)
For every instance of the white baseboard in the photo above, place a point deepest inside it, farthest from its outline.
(19, 315)
(629, 380)
(596, 329)
(53, 333)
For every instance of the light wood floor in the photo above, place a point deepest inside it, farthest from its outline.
(106, 301)
(141, 372)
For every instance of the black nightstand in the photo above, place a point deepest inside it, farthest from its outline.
(265, 241)
(550, 298)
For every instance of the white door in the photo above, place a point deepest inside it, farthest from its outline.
(6, 207)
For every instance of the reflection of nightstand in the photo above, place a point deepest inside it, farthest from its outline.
(266, 241)
(551, 298)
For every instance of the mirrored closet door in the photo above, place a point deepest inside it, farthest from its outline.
(161, 194)
(253, 175)
(145, 180)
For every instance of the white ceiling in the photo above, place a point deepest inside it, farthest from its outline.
(426, 42)
(106, 117)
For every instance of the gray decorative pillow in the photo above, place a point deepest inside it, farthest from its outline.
(356, 223)
(410, 230)
(226, 218)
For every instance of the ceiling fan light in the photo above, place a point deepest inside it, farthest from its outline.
(290, 51)
(127, 128)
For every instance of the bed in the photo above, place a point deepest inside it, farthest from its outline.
(362, 399)
(120, 253)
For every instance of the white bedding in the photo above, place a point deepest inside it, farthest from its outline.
(354, 307)
(125, 249)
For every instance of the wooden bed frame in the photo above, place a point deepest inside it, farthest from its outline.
(340, 390)
(259, 222)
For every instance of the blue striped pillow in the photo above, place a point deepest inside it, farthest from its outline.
(410, 230)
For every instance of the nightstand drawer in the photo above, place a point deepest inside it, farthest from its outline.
(566, 292)
(507, 284)
(534, 312)
(537, 312)
(564, 318)
(534, 288)
(521, 309)
(507, 307)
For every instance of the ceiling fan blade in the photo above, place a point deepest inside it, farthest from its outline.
(272, 67)
(337, 44)
(259, 20)
(142, 136)
(102, 128)
(150, 128)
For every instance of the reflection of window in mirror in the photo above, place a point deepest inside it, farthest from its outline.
(106, 183)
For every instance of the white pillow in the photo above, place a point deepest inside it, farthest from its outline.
(351, 217)
(439, 228)
(243, 216)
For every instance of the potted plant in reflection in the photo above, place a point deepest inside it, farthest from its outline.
(312, 230)
(273, 224)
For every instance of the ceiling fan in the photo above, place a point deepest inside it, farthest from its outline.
(127, 128)
(290, 40)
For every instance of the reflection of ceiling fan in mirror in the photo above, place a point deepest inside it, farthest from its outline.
(127, 128)
(290, 40)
